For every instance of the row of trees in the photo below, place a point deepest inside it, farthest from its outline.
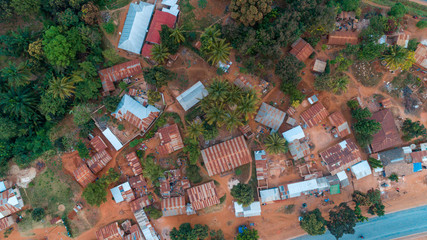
(199, 232)
(364, 127)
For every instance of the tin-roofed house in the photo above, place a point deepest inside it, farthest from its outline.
(270, 195)
(301, 49)
(341, 156)
(395, 161)
(203, 196)
(123, 192)
(314, 115)
(421, 57)
(174, 206)
(134, 163)
(135, 113)
(388, 136)
(145, 225)
(319, 66)
(297, 145)
(134, 233)
(226, 156)
(136, 26)
(83, 175)
(254, 209)
(110, 232)
(99, 161)
(339, 123)
(192, 96)
(270, 116)
(6, 222)
(138, 185)
(109, 135)
(342, 38)
(118, 72)
(170, 140)
(139, 203)
(98, 144)
(361, 169)
(10, 202)
(159, 18)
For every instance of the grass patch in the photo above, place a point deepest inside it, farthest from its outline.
(202, 3)
(242, 173)
(113, 4)
(413, 8)
(288, 209)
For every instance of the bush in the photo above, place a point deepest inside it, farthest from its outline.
(109, 27)
(111, 103)
(238, 172)
(394, 177)
(38, 214)
(193, 174)
(313, 223)
(422, 24)
(82, 149)
(153, 212)
(202, 3)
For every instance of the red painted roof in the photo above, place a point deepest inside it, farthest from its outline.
(170, 139)
(134, 163)
(146, 50)
(83, 175)
(160, 18)
(110, 232)
(118, 72)
(226, 156)
(418, 156)
(341, 156)
(301, 49)
(314, 115)
(98, 144)
(173, 206)
(203, 196)
(99, 161)
(388, 136)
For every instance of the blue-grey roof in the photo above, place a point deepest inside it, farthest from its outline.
(136, 26)
(270, 116)
(192, 96)
(129, 104)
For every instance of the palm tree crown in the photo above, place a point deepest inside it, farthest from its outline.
(195, 129)
(160, 53)
(219, 51)
(63, 87)
(16, 76)
(177, 35)
(19, 103)
(398, 57)
(275, 144)
(218, 90)
(232, 120)
(247, 104)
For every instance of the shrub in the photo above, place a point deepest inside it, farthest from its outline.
(193, 174)
(153, 212)
(109, 27)
(394, 177)
(422, 24)
(38, 214)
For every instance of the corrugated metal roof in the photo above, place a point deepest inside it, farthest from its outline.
(110, 232)
(145, 225)
(135, 233)
(337, 120)
(342, 38)
(293, 134)
(6, 222)
(170, 139)
(136, 114)
(270, 195)
(160, 18)
(139, 203)
(139, 185)
(254, 209)
(242, 82)
(174, 10)
(361, 169)
(174, 206)
(99, 161)
(314, 115)
(118, 72)
(226, 156)
(420, 156)
(319, 66)
(341, 156)
(192, 96)
(421, 56)
(123, 192)
(136, 26)
(270, 116)
(83, 175)
(112, 139)
(388, 136)
(98, 144)
(296, 189)
(301, 49)
(298, 150)
(203, 196)
(146, 50)
(10, 202)
(134, 163)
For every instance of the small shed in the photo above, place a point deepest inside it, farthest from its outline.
(361, 169)
(270, 195)
(291, 121)
(335, 189)
(313, 99)
(319, 66)
(342, 176)
(418, 167)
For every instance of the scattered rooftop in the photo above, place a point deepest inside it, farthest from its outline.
(123, 192)
(421, 56)
(338, 121)
(110, 232)
(343, 38)
(361, 169)
(99, 161)
(203, 196)
(254, 209)
(170, 139)
(118, 72)
(270, 116)
(341, 156)
(301, 49)
(159, 18)
(295, 133)
(83, 175)
(134, 163)
(314, 115)
(319, 66)
(173, 206)
(192, 96)
(388, 136)
(98, 144)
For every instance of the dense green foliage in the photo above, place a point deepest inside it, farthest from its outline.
(394, 177)
(398, 10)
(151, 170)
(248, 234)
(199, 231)
(249, 12)
(342, 220)
(193, 174)
(38, 214)
(371, 199)
(153, 212)
(313, 222)
(422, 24)
(96, 193)
(412, 129)
(158, 76)
(364, 128)
(243, 193)
(375, 163)
(337, 83)
(276, 144)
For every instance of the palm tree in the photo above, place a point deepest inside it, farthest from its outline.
(219, 51)
(20, 103)
(398, 57)
(216, 115)
(340, 85)
(195, 129)
(234, 94)
(177, 35)
(63, 87)
(232, 120)
(210, 35)
(247, 104)
(206, 103)
(275, 144)
(16, 76)
(218, 91)
(160, 53)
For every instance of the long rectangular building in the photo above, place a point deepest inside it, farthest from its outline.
(203, 196)
(226, 156)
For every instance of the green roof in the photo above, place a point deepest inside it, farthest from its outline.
(335, 189)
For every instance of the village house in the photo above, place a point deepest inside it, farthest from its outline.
(134, 163)
(98, 144)
(388, 136)
(314, 115)
(173, 206)
(203, 196)
(145, 225)
(6, 222)
(123, 192)
(134, 233)
(261, 168)
(397, 160)
(342, 38)
(254, 209)
(138, 185)
(83, 175)
(421, 57)
(10, 202)
(192, 96)
(153, 36)
(110, 232)
(270, 116)
(170, 140)
(361, 169)
(243, 83)
(301, 49)
(118, 72)
(140, 203)
(339, 123)
(109, 135)
(99, 161)
(226, 156)
(341, 156)
(269, 195)
(298, 146)
(319, 66)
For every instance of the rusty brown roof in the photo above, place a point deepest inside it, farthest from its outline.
(170, 140)
(301, 49)
(203, 196)
(314, 115)
(83, 175)
(135, 233)
(134, 163)
(420, 156)
(98, 144)
(337, 120)
(6, 222)
(226, 156)
(118, 72)
(139, 203)
(342, 38)
(341, 156)
(387, 103)
(388, 136)
(173, 206)
(99, 161)
(421, 56)
(270, 116)
(110, 232)
(138, 185)
(402, 39)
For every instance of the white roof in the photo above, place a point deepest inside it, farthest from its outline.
(129, 104)
(269, 195)
(13, 201)
(192, 96)
(254, 209)
(112, 139)
(2, 186)
(117, 194)
(383, 39)
(342, 176)
(361, 169)
(295, 189)
(172, 10)
(423, 146)
(136, 26)
(145, 225)
(295, 133)
(169, 2)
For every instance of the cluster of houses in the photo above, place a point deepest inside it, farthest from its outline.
(10, 203)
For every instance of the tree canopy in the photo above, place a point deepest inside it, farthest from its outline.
(342, 220)
(249, 12)
(243, 193)
(313, 223)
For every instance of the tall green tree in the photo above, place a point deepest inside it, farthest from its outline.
(243, 194)
(216, 115)
(232, 120)
(313, 223)
(399, 57)
(398, 10)
(160, 53)
(248, 234)
(342, 220)
(58, 48)
(26, 7)
(249, 12)
(20, 103)
(63, 87)
(219, 52)
(276, 144)
(16, 76)
(218, 91)
(195, 129)
(158, 76)
(412, 129)
(177, 35)
(247, 104)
